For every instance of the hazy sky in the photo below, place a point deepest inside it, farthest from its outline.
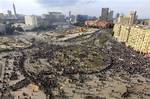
(90, 7)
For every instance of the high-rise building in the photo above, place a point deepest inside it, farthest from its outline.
(110, 15)
(104, 13)
(117, 16)
(15, 13)
(9, 13)
(69, 13)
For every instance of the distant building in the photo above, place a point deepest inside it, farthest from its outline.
(149, 22)
(110, 15)
(15, 13)
(128, 20)
(11, 18)
(104, 13)
(53, 17)
(9, 13)
(72, 19)
(123, 20)
(133, 17)
(2, 28)
(70, 14)
(20, 16)
(117, 15)
(2, 17)
(82, 18)
(32, 21)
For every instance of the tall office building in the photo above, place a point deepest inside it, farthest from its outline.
(110, 15)
(15, 13)
(104, 13)
(117, 15)
(69, 13)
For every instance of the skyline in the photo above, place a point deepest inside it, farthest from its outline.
(88, 7)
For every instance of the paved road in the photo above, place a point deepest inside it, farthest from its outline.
(91, 38)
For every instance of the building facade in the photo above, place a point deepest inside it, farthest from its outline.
(133, 17)
(138, 37)
(110, 15)
(2, 17)
(82, 18)
(53, 17)
(106, 14)
(9, 13)
(2, 28)
(32, 21)
(129, 19)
